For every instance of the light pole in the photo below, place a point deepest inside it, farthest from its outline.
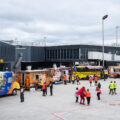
(45, 41)
(117, 27)
(103, 18)
(45, 47)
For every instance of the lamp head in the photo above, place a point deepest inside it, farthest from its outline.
(104, 17)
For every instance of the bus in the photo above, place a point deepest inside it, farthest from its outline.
(85, 71)
(7, 84)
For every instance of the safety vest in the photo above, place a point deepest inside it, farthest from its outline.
(90, 79)
(115, 85)
(87, 94)
(41, 82)
(96, 79)
(65, 78)
(111, 86)
(73, 78)
(44, 86)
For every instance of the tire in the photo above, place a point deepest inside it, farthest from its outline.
(14, 92)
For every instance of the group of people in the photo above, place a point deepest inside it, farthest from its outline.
(83, 93)
(43, 88)
(112, 88)
(75, 79)
(95, 78)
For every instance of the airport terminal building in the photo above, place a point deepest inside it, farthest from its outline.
(16, 57)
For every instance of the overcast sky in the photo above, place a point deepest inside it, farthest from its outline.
(59, 21)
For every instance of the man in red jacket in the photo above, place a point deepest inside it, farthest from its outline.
(82, 92)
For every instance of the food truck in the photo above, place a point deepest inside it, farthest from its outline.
(32, 78)
(8, 85)
(114, 71)
(60, 72)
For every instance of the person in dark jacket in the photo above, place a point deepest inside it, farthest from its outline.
(51, 88)
(22, 94)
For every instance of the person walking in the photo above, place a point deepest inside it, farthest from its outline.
(115, 87)
(78, 80)
(88, 96)
(96, 80)
(51, 88)
(90, 80)
(22, 94)
(98, 92)
(76, 96)
(111, 88)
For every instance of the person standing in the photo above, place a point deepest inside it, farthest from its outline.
(104, 76)
(98, 92)
(44, 89)
(88, 96)
(40, 84)
(65, 79)
(22, 94)
(115, 87)
(73, 79)
(76, 96)
(51, 88)
(111, 88)
(90, 80)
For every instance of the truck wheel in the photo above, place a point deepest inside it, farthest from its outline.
(14, 92)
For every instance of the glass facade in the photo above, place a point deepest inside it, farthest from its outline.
(63, 53)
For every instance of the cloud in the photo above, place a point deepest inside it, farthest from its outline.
(64, 21)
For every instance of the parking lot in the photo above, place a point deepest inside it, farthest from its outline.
(62, 106)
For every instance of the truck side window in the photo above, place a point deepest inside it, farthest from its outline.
(10, 80)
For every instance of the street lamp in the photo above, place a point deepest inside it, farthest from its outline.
(103, 18)
(117, 27)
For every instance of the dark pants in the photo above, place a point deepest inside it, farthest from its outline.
(76, 99)
(65, 82)
(111, 91)
(22, 97)
(41, 87)
(73, 81)
(98, 96)
(51, 91)
(115, 91)
(44, 92)
(88, 100)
